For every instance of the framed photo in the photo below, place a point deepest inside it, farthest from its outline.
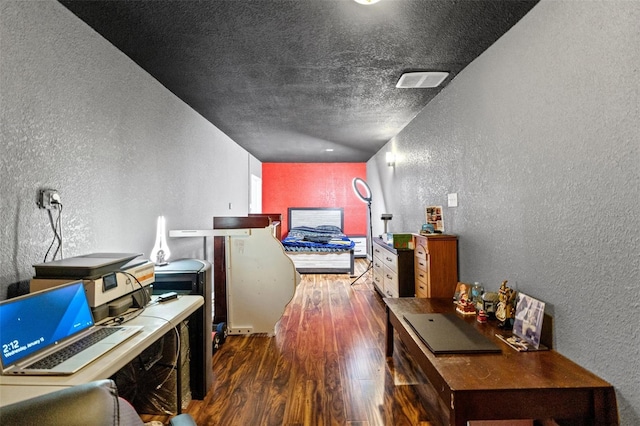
(463, 292)
(528, 321)
(433, 216)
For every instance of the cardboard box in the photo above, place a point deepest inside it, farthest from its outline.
(402, 241)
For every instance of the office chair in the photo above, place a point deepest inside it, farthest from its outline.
(95, 403)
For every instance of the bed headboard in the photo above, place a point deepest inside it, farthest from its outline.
(316, 216)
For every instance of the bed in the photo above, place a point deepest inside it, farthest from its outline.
(316, 242)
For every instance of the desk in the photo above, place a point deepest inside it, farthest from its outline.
(156, 319)
(510, 385)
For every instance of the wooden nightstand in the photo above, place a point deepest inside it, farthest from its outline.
(360, 249)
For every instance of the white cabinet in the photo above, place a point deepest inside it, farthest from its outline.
(360, 249)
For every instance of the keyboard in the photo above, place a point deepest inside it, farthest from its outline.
(67, 352)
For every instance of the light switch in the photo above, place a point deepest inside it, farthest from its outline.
(453, 200)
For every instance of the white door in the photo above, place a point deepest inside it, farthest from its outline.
(255, 206)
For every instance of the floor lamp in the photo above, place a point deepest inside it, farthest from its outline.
(363, 192)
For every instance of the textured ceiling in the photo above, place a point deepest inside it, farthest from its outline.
(287, 79)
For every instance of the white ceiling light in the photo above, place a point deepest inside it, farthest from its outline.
(421, 80)
(367, 2)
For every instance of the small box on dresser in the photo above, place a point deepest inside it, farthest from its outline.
(392, 270)
(436, 265)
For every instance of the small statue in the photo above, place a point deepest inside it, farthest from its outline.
(505, 312)
(464, 295)
(489, 303)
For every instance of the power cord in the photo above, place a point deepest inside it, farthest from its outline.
(57, 234)
(147, 296)
(175, 361)
(126, 317)
(178, 346)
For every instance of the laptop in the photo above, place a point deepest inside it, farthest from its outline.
(449, 334)
(52, 332)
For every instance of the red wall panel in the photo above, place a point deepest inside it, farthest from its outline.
(287, 185)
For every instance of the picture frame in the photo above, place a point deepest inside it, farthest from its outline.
(528, 320)
(434, 216)
(462, 292)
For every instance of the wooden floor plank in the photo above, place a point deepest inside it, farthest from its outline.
(324, 366)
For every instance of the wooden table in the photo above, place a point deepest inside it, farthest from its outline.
(509, 385)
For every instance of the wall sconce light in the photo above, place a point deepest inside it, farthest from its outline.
(391, 159)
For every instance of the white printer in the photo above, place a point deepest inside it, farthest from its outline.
(113, 282)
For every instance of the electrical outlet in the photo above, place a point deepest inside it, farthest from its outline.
(48, 199)
(452, 200)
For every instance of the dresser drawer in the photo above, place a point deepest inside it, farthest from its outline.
(390, 261)
(390, 282)
(378, 266)
(421, 275)
(421, 250)
(422, 281)
(421, 263)
(421, 289)
(378, 278)
(360, 248)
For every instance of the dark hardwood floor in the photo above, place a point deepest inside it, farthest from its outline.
(324, 366)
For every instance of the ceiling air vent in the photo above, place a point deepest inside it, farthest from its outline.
(421, 80)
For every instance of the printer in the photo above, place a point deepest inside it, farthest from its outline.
(113, 282)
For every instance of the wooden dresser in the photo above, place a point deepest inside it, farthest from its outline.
(436, 265)
(392, 270)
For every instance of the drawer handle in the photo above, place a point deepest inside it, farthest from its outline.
(389, 259)
(389, 276)
(421, 275)
(421, 287)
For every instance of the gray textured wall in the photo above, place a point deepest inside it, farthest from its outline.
(540, 139)
(77, 115)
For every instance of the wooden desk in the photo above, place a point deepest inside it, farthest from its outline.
(510, 385)
(157, 320)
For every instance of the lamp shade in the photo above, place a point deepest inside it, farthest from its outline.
(160, 252)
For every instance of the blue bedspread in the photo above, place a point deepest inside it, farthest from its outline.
(325, 238)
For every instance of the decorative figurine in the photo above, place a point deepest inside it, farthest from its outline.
(476, 295)
(482, 317)
(505, 311)
(489, 302)
(466, 307)
(461, 293)
(464, 293)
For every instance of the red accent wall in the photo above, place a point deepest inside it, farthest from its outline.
(287, 185)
